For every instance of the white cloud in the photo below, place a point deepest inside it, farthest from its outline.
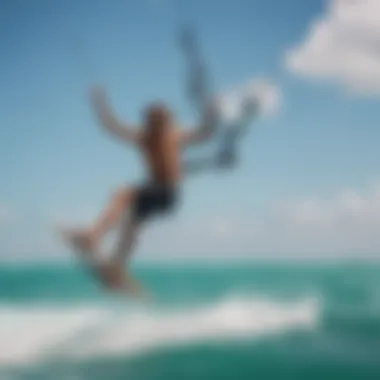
(347, 223)
(222, 227)
(28, 237)
(343, 225)
(343, 46)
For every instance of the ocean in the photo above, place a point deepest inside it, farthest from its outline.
(211, 320)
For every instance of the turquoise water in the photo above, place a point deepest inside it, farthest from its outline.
(227, 320)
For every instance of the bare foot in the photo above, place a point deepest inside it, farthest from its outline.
(113, 276)
(80, 240)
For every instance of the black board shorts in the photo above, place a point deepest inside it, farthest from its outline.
(154, 199)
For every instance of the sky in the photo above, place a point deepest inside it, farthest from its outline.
(308, 183)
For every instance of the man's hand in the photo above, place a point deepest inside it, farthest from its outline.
(206, 129)
(98, 99)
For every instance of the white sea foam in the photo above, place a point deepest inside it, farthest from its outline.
(28, 335)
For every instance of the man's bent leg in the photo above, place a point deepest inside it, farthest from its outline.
(115, 275)
(127, 239)
(90, 238)
(119, 204)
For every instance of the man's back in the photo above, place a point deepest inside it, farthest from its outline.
(163, 156)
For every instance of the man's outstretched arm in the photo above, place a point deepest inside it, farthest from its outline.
(205, 129)
(108, 120)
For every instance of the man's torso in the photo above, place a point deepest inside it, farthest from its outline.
(163, 158)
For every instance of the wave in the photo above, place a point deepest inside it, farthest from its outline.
(30, 335)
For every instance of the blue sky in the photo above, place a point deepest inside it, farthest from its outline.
(56, 162)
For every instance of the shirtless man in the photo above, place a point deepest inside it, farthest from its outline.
(160, 141)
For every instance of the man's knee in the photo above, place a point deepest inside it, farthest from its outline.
(124, 195)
